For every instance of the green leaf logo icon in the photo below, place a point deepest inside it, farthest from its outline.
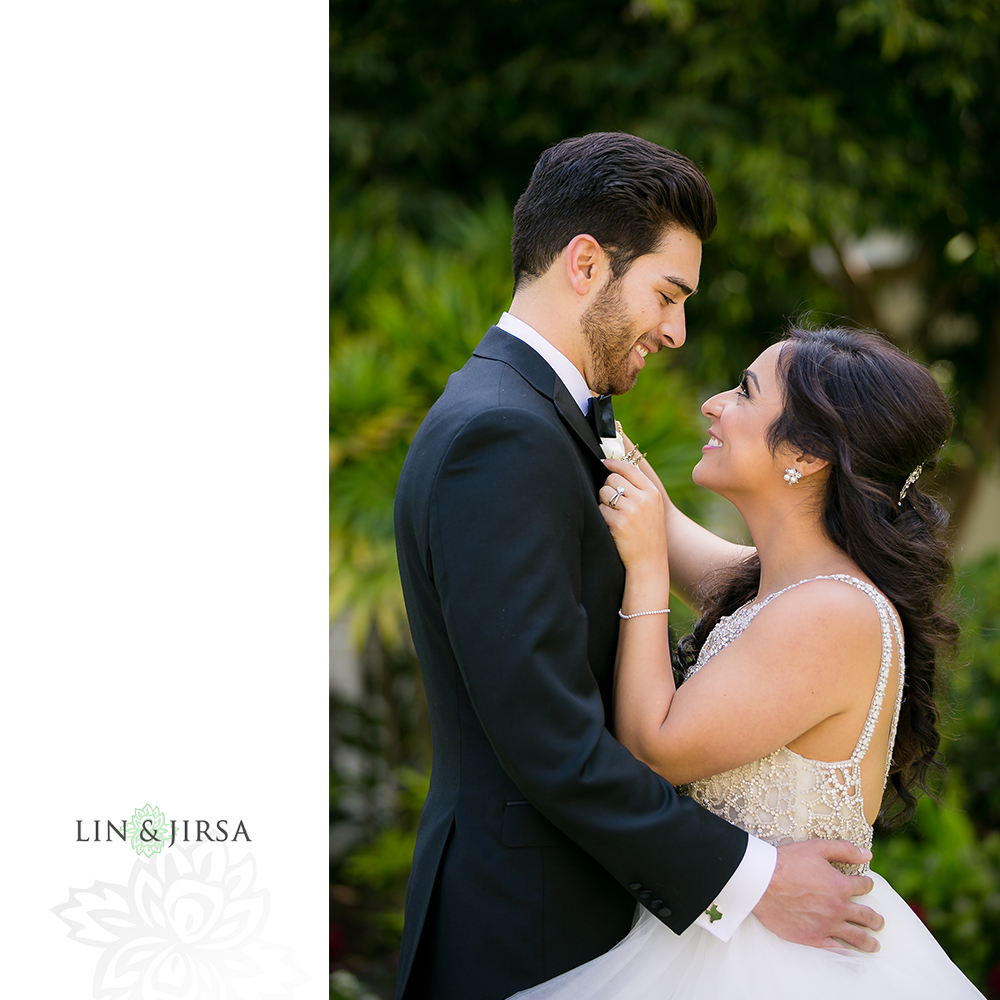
(150, 830)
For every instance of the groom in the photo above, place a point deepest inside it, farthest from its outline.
(541, 831)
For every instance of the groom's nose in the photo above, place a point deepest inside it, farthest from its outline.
(673, 332)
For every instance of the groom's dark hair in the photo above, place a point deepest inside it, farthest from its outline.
(622, 190)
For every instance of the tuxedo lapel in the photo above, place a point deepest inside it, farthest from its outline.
(573, 416)
(527, 362)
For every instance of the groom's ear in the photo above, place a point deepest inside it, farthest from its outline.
(586, 263)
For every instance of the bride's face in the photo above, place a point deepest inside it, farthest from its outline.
(736, 461)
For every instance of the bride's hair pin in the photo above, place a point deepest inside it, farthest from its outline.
(792, 476)
(910, 480)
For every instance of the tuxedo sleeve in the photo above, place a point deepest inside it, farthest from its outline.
(506, 537)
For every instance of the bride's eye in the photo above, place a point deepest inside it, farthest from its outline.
(744, 389)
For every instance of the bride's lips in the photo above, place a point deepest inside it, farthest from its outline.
(713, 443)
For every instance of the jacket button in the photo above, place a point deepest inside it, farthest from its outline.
(635, 886)
(656, 904)
(664, 911)
(645, 894)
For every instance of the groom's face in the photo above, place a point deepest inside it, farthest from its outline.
(640, 312)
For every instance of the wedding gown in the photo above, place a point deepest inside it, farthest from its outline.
(781, 798)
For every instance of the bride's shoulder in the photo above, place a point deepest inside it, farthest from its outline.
(839, 598)
(831, 617)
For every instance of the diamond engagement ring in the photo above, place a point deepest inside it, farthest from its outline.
(619, 493)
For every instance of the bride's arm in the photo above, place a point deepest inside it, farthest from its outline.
(694, 550)
(644, 683)
(809, 657)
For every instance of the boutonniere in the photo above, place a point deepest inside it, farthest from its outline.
(614, 447)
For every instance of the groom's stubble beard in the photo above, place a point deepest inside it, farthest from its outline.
(610, 335)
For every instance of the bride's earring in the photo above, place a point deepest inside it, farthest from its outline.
(792, 476)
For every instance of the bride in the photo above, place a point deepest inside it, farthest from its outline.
(797, 705)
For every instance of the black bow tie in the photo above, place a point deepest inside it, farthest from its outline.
(601, 417)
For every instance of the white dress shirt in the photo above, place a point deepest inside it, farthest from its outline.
(750, 880)
(568, 373)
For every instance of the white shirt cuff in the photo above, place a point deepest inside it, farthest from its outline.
(743, 890)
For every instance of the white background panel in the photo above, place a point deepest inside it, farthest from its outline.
(163, 335)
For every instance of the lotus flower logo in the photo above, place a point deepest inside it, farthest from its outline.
(150, 830)
(187, 927)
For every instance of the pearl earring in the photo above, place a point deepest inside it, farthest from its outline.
(792, 476)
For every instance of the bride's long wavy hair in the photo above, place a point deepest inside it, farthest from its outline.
(875, 415)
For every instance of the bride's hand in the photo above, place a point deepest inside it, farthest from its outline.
(633, 507)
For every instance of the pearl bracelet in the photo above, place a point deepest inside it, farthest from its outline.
(639, 614)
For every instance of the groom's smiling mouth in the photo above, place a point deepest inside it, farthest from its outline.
(642, 350)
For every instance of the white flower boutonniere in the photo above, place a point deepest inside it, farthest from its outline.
(614, 447)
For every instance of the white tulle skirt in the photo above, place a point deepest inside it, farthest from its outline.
(653, 963)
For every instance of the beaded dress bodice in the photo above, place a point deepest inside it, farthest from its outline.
(784, 796)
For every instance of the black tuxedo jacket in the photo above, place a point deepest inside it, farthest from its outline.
(541, 831)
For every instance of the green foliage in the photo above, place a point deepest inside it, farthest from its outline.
(384, 863)
(816, 121)
(813, 120)
(406, 314)
(370, 883)
(382, 867)
(345, 986)
(974, 749)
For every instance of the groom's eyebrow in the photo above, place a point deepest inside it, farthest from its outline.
(687, 290)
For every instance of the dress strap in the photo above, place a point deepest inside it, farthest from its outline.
(890, 630)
